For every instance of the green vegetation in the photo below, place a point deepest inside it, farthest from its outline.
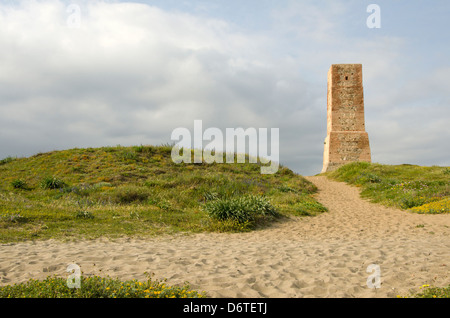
(97, 287)
(415, 188)
(244, 209)
(6, 160)
(126, 191)
(434, 292)
(19, 184)
(52, 183)
(428, 291)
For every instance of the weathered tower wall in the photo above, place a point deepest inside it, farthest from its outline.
(346, 140)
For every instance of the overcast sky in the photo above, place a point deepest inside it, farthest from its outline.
(130, 72)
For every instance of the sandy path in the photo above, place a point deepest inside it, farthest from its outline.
(322, 256)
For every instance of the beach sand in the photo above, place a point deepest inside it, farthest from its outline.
(322, 256)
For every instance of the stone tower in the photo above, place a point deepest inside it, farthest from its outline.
(347, 139)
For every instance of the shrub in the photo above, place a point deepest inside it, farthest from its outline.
(259, 205)
(410, 201)
(52, 183)
(19, 184)
(241, 209)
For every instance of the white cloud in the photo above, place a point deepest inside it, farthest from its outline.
(131, 73)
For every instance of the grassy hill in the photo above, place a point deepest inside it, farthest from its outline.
(116, 191)
(409, 187)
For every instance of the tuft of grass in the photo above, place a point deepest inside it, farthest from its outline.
(51, 182)
(98, 287)
(409, 187)
(243, 209)
(19, 184)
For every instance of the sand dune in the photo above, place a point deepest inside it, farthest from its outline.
(322, 256)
